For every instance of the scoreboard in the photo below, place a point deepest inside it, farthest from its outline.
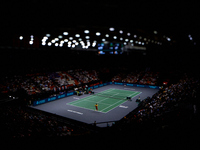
(110, 48)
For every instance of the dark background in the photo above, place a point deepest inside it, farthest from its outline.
(173, 17)
(177, 19)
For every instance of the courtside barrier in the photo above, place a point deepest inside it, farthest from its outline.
(137, 85)
(38, 102)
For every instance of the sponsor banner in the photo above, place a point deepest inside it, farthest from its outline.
(118, 83)
(100, 85)
(154, 87)
(62, 96)
(39, 102)
(52, 98)
(140, 85)
(96, 86)
(137, 85)
(69, 94)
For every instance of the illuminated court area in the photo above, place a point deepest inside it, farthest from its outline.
(112, 102)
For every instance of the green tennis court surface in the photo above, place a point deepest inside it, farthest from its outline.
(106, 100)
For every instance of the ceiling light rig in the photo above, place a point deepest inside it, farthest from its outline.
(85, 39)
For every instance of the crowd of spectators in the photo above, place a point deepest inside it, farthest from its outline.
(84, 76)
(20, 122)
(165, 106)
(142, 77)
(17, 122)
(43, 85)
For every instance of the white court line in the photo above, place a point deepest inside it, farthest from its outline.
(85, 108)
(122, 103)
(111, 105)
(98, 101)
(106, 91)
(126, 90)
(86, 98)
(106, 98)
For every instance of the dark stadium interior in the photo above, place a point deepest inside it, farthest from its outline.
(138, 42)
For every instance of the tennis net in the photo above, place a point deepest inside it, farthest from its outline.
(111, 95)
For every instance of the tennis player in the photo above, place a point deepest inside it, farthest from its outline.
(96, 106)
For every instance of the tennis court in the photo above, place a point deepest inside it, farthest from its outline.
(106, 100)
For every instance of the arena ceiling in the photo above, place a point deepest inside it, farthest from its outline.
(172, 19)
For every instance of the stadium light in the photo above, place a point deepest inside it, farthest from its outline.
(126, 40)
(70, 38)
(112, 29)
(43, 43)
(60, 36)
(88, 43)
(98, 33)
(56, 44)
(30, 42)
(86, 31)
(44, 38)
(103, 40)
(107, 35)
(65, 33)
(77, 35)
(121, 32)
(128, 34)
(87, 37)
(48, 35)
(114, 37)
(74, 41)
(49, 43)
(53, 41)
(135, 36)
(56, 39)
(131, 41)
(80, 39)
(121, 38)
(65, 40)
(32, 37)
(21, 37)
(168, 39)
